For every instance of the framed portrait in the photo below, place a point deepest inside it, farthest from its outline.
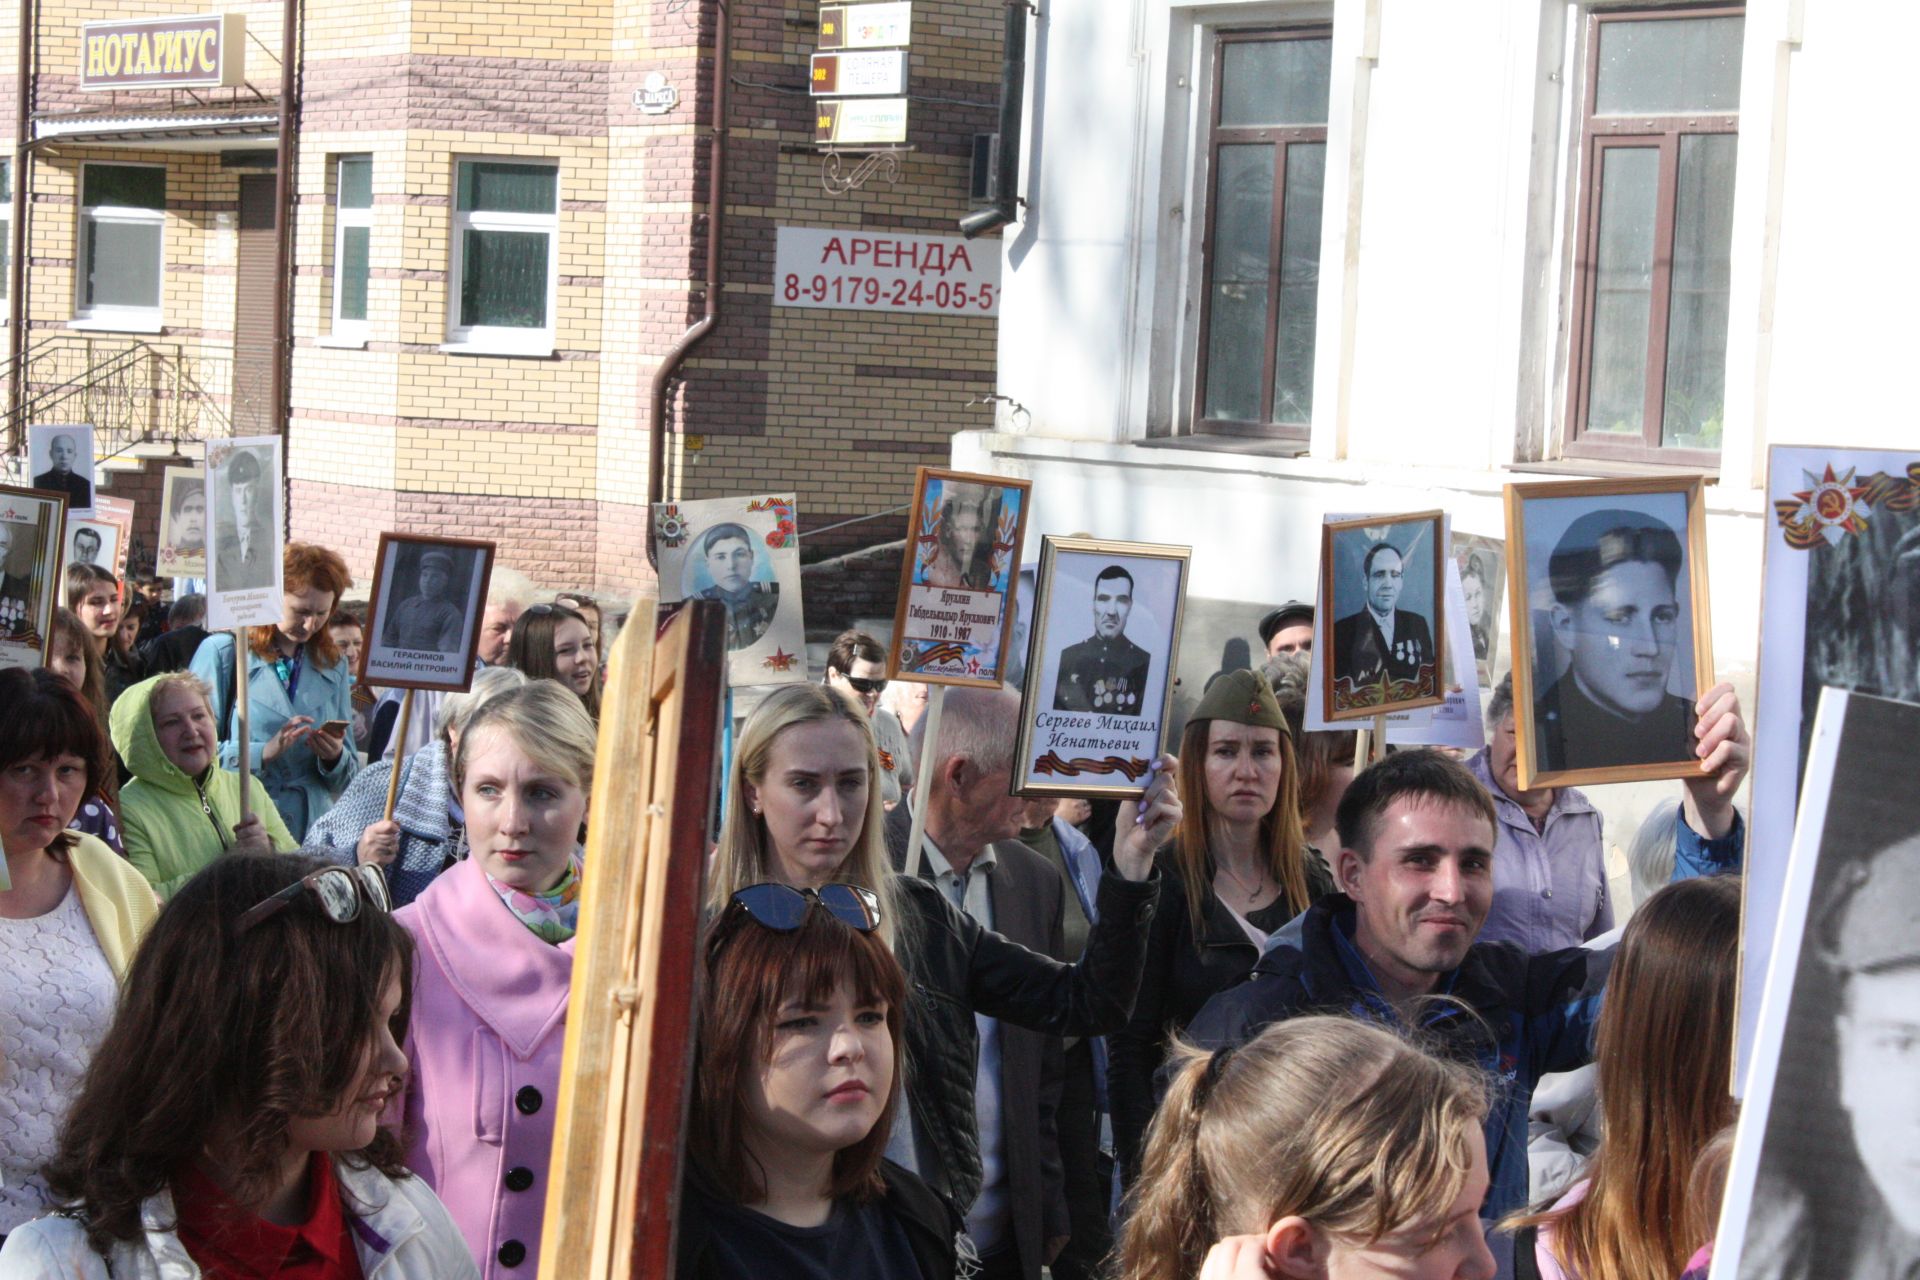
(954, 622)
(60, 460)
(1611, 643)
(1381, 631)
(743, 552)
(244, 570)
(117, 512)
(32, 549)
(423, 622)
(183, 524)
(1106, 641)
(1840, 606)
(1822, 1178)
(95, 542)
(1482, 562)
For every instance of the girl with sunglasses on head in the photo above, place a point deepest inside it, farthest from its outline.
(230, 1123)
(68, 924)
(496, 961)
(795, 1087)
(553, 642)
(857, 667)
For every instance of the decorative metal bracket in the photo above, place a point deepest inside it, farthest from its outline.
(838, 178)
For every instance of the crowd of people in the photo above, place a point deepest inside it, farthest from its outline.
(1290, 1012)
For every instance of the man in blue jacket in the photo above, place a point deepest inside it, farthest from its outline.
(1397, 946)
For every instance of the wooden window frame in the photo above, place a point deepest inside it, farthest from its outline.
(1281, 137)
(1599, 135)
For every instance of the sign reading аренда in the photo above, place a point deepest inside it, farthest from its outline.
(207, 49)
(884, 271)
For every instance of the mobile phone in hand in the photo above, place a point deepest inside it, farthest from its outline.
(333, 728)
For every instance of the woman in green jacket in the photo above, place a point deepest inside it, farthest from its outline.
(181, 811)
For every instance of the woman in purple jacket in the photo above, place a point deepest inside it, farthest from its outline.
(495, 935)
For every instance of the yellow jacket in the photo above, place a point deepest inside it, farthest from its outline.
(117, 899)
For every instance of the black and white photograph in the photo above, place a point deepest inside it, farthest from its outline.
(423, 625)
(60, 460)
(744, 553)
(31, 525)
(183, 524)
(243, 571)
(1610, 634)
(95, 542)
(1098, 697)
(1380, 632)
(1823, 1180)
(1483, 585)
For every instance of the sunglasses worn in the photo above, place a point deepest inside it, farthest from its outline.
(866, 684)
(783, 908)
(338, 890)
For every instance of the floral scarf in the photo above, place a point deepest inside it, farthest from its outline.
(554, 915)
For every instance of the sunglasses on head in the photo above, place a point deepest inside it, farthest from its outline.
(783, 908)
(338, 890)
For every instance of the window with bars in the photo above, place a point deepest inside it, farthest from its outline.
(506, 228)
(1266, 166)
(1654, 235)
(121, 232)
(352, 244)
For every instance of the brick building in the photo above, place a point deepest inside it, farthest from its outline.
(493, 246)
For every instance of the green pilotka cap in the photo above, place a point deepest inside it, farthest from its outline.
(1242, 697)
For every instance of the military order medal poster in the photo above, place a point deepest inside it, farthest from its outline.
(32, 523)
(1841, 607)
(744, 553)
(244, 571)
(1099, 690)
(957, 579)
(423, 627)
(183, 524)
(1383, 585)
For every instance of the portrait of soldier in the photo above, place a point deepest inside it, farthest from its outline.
(16, 578)
(244, 543)
(62, 451)
(187, 517)
(427, 619)
(727, 552)
(1106, 672)
(1473, 586)
(1382, 639)
(86, 546)
(1616, 612)
(962, 556)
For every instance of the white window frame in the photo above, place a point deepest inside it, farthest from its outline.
(118, 318)
(342, 331)
(496, 339)
(6, 235)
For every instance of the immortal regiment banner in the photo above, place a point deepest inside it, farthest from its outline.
(1106, 638)
(32, 527)
(1381, 579)
(955, 616)
(60, 460)
(423, 629)
(244, 571)
(183, 524)
(1822, 1179)
(1840, 606)
(744, 553)
(117, 515)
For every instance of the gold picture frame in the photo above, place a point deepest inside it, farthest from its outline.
(1426, 687)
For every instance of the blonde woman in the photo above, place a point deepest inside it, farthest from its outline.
(1323, 1147)
(804, 809)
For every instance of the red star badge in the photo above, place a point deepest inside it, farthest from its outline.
(781, 660)
(1833, 504)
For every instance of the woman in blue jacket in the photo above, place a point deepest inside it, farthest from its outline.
(299, 695)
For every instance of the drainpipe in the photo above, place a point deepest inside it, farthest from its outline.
(716, 220)
(17, 232)
(283, 188)
(1013, 90)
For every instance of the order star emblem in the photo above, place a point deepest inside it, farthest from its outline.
(1833, 503)
(780, 660)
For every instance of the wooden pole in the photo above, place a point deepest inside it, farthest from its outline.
(1379, 737)
(923, 776)
(399, 754)
(242, 737)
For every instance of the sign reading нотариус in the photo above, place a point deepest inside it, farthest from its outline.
(207, 49)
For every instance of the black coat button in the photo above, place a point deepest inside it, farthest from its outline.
(512, 1254)
(528, 1100)
(519, 1178)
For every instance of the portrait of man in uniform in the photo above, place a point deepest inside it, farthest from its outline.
(1106, 672)
(244, 543)
(187, 519)
(16, 578)
(65, 470)
(726, 550)
(86, 546)
(1381, 639)
(430, 618)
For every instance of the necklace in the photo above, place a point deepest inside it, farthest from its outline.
(1259, 882)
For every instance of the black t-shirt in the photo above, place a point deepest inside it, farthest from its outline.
(857, 1242)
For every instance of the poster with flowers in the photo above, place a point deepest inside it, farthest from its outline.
(955, 611)
(745, 554)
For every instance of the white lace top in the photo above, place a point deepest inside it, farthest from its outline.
(56, 998)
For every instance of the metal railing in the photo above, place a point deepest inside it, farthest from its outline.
(129, 390)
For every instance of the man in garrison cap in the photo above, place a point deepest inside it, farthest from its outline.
(427, 620)
(1106, 673)
(243, 553)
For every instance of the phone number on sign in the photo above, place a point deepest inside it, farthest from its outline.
(874, 291)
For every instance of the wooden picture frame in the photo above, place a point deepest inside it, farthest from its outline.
(1095, 712)
(1567, 735)
(954, 621)
(1357, 663)
(118, 514)
(455, 611)
(30, 572)
(181, 486)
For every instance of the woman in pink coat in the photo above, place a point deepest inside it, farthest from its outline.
(495, 937)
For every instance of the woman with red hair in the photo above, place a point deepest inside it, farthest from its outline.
(299, 695)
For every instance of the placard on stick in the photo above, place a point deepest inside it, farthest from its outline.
(245, 570)
(955, 614)
(423, 624)
(32, 538)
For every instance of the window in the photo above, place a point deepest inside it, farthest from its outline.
(1654, 235)
(122, 209)
(352, 236)
(6, 228)
(506, 220)
(1267, 163)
